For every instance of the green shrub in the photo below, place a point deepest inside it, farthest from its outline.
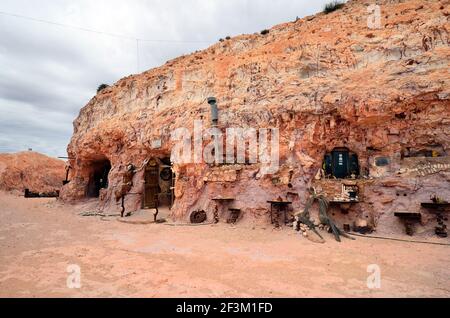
(102, 87)
(333, 6)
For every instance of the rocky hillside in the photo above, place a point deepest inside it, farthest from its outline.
(326, 80)
(31, 170)
(322, 65)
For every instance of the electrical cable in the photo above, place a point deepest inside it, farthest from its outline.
(115, 35)
(84, 29)
(399, 240)
(187, 224)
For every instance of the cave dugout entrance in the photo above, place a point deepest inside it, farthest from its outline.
(98, 177)
(159, 184)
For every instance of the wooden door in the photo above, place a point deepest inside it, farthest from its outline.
(151, 186)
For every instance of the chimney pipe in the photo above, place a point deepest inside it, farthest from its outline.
(212, 101)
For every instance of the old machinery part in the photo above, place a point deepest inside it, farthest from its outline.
(234, 216)
(198, 217)
(212, 101)
(166, 174)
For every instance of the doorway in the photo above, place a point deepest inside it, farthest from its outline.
(98, 178)
(159, 182)
(341, 163)
(152, 188)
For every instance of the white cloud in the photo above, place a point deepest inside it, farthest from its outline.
(47, 72)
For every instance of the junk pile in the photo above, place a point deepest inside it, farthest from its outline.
(198, 217)
(30, 194)
(439, 207)
(304, 223)
(349, 194)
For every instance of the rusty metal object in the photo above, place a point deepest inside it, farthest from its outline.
(441, 231)
(198, 217)
(122, 207)
(216, 214)
(439, 207)
(166, 174)
(234, 216)
(409, 218)
(304, 217)
(222, 201)
(276, 208)
(347, 228)
(29, 194)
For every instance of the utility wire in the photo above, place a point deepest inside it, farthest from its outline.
(122, 36)
(115, 35)
(398, 240)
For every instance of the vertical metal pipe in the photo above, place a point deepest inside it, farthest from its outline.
(212, 101)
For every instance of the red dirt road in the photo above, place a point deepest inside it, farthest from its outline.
(40, 238)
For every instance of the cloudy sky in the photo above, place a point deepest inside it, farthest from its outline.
(48, 71)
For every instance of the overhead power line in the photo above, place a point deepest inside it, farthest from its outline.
(114, 35)
(121, 36)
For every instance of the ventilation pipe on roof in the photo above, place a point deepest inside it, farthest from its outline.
(212, 101)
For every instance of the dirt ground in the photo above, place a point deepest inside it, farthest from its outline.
(40, 238)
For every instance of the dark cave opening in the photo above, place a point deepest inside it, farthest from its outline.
(98, 178)
(341, 163)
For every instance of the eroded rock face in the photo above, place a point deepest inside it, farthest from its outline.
(325, 81)
(31, 170)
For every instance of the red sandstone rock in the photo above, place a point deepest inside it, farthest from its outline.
(325, 82)
(31, 170)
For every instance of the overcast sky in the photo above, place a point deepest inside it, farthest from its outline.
(49, 72)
